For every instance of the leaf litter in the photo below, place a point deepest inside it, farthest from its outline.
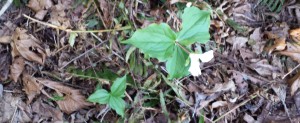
(243, 83)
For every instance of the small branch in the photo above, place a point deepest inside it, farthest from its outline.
(5, 7)
(290, 71)
(237, 106)
(82, 55)
(75, 31)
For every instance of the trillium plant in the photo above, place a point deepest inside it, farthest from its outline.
(161, 42)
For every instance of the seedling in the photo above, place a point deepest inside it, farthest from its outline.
(112, 98)
(161, 42)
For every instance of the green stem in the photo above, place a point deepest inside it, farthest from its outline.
(182, 47)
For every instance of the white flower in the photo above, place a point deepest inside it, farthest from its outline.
(189, 4)
(195, 63)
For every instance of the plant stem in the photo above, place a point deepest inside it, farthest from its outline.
(75, 31)
(182, 47)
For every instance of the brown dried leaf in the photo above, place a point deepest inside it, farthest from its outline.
(31, 87)
(222, 87)
(5, 39)
(262, 67)
(17, 68)
(73, 99)
(295, 34)
(41, 14)
(279, 45)
(293, 51)
(28, 46)
(218, 104)
(47, 111)
(37, 5)
(294, 83)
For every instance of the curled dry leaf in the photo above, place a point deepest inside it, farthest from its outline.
(222, 87)
(73, 99)
(5, 39)
(45, 110)
(295, 34)
(40, 7)
(218, 104)
(293, 51)
(28, 46)
(279, 45)
(31, 87)
(294, 83)
(262, 67)
(17, 68)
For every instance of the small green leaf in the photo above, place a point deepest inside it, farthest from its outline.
(157, 40)
(195, 26)
(99, 96)
(72, 38)
(176, 65)
(118, 104)
(91, 23)
(56, 97)
(118, 87)
(163, 104)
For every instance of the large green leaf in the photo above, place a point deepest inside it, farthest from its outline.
(157, 40)
(99, 96)
(195, 26)
(176, 65)
(118, 87)
(118, 104)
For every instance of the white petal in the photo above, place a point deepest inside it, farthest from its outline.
(195, 65)
(207, 56)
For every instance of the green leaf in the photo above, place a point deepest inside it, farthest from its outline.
(72, 37)
(195, 26)
(176, 65)
(99, 96)
(92, 23)
(118, 87)
(157, 40)
(118, 104)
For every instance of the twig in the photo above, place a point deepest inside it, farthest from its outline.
(75, 31)
(239, 105)
(107, 46)
(86, 52)
(290, 71)
(5, 7)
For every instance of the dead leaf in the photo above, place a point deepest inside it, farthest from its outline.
(292, 51)
(256, 42)
(279, 45)
(5, 39)
(40, 7)
(237, 42)
(262, 67)
(8, 106)
(295, 34)
(58, 16)
(294, 83)
(47, 111)
(249, 119)
(28, 46)
(218, 104)
(17, 68)
(222, 87)
(31, 87)
(73, 99)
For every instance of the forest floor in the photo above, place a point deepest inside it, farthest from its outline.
(54, 54)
